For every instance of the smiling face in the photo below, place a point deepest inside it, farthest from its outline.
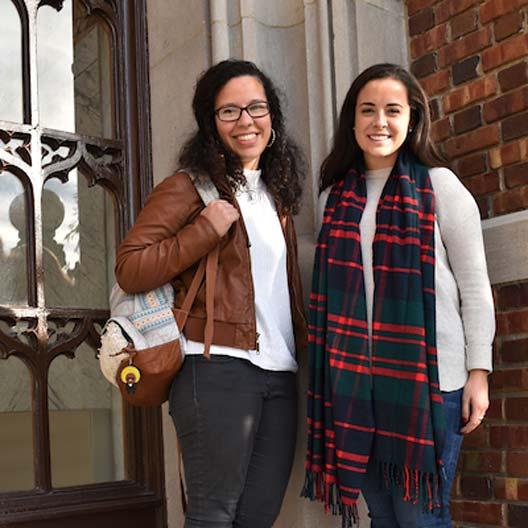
(382, 119)
(248, 136)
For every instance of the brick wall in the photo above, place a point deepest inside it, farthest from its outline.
(471, 57)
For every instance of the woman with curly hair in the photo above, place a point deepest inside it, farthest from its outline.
(234, 411)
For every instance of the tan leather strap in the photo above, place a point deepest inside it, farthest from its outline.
(183, 312)
(208, 267)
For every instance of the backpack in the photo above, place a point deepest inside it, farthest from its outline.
(142, 344)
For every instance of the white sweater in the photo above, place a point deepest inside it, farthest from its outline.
(465, 322)
(270, 282)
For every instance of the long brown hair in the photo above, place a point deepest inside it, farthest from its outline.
(346, 152)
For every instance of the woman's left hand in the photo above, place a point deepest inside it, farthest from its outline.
(475, 400)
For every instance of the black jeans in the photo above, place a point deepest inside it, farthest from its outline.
(236, 425)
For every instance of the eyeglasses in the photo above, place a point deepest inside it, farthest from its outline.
(233, 113)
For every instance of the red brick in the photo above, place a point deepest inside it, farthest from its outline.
(522, 490)
(510, 202)
(515, 126)
(505, 52)
(477, 512)
(437, 82)
(479, 438)
(429, 41)
(516, 175)
(507, 25)
(482, 184)
(512, 296)
(441, 130)
(514, 351)
(465, 70)
(421, 22)
(494, 411)
(517, 409)
(517, 515)
(509, 154)
(511, 489)
(414, 6)
(505, 105)
(449, 8)
(476, 487)
(505, 488)
(510, 436)
(463, 23)
(495, 8)
(509, 380)
(468, 119)
(464, 47)
(424, 65)
(469, 93)
(481, 461)
(474, 140)
(514, 76)
(516, 321)
(517, 463)
(472, 164)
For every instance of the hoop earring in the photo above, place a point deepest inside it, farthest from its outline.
(272, 139)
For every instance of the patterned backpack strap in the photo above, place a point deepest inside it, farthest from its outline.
(204, 186)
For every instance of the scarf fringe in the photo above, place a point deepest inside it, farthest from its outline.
(415, 485)
(315, 488)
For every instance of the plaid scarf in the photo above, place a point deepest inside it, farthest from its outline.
(384, 406)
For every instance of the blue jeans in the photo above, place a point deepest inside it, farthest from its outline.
(236, 425)
(391, 511)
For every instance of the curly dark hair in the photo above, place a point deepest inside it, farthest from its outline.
(282, 163)
(346, 152)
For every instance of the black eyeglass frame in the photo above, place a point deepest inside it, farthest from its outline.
(241, 109)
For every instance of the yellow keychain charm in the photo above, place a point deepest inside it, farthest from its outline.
(130, 376)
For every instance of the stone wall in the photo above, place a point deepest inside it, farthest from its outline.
(472, 59)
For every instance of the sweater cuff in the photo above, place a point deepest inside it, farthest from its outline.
(479, 356)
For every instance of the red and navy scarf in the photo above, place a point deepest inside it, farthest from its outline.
(384, 406)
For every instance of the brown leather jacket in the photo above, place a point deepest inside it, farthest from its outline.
(166, 244)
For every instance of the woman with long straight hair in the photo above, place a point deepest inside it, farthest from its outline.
(235, 411)
(401, 313)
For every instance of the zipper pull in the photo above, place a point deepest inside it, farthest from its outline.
(257, 345)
